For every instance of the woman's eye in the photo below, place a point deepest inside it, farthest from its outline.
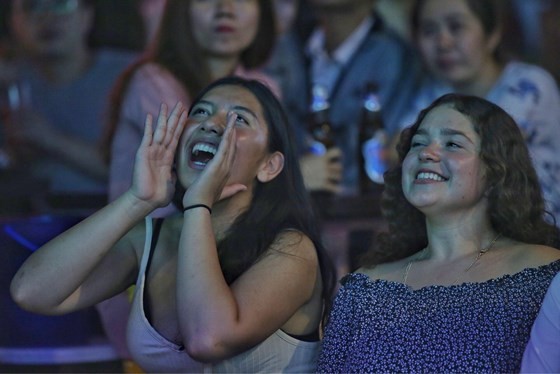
(453, 145)
(241, 120)
(415, 143)
(199, 112)
(456, 27)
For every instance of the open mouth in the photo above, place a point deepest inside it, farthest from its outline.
(430, 176)
(201, 154)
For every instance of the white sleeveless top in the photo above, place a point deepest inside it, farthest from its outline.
(279, 353)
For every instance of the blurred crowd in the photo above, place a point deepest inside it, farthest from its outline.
(78, 77)
(318, 46)
(124, 32)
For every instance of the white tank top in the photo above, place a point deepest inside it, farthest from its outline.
(279, 353)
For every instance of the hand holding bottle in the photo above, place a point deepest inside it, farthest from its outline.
(372, 141)
(323, 172)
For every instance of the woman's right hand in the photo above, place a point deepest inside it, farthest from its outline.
(153, 178)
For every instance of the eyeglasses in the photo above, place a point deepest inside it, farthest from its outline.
(51, 6)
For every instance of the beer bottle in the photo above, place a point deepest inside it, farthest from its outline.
(319, 126)
(372, 141)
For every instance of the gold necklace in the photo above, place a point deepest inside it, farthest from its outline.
(422, 256)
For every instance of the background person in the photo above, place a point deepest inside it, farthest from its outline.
(65, 75)
(348, 47)
(460, 42)
(55, 129)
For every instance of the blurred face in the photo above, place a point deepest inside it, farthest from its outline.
(442, 171)
(50, 28)
(453, 43)
(225, 28)
(206, 125)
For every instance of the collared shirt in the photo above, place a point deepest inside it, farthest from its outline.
(325, 68)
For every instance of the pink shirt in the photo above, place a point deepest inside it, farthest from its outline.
(150, 86)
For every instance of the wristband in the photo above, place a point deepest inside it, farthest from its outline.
(197, 206)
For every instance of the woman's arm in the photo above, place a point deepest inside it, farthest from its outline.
(218, 321)
(78, 267)
(84, 264)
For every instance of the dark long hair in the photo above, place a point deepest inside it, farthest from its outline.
(280, 204)
(516, 207)
(176, 50)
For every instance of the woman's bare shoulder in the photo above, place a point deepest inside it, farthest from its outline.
(294, 242)
(527, 255)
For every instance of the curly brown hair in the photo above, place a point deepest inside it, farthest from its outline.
(516, 207)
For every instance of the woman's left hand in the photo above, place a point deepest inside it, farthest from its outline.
(211, 185)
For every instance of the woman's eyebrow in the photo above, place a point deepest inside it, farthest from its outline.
(451, 132)
(240, 108)
(245, 109)
(200, 102)
(444, 131)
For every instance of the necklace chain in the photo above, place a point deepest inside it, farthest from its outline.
(480, 253)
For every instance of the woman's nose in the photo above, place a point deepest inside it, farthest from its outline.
(429, 153)
(224, 6)
(214, 125)
(444, 39)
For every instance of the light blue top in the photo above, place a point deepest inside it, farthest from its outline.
(542, 354)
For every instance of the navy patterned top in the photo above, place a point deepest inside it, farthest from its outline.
(384, 326)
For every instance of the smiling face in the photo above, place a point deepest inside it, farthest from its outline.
(453, 42)
(442, 171)
(224, 27)
(206, 125)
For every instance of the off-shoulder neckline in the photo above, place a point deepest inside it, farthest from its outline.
(371, 281)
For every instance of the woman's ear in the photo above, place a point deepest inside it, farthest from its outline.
(271, 167)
